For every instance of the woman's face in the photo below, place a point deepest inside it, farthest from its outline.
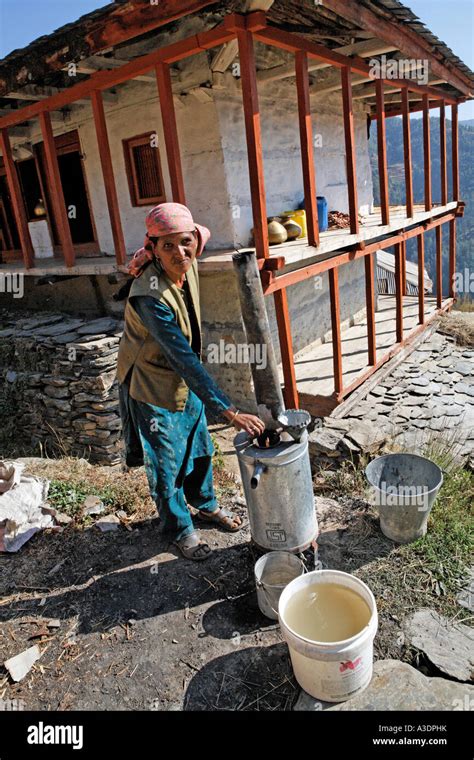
(177, 252)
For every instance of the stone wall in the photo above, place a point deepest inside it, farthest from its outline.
(57, 385)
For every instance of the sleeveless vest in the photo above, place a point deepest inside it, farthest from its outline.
(152, 379)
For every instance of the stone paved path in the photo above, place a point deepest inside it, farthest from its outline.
(428, 398)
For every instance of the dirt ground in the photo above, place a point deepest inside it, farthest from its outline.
(143, 629)
(140, 627)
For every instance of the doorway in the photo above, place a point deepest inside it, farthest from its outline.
(76, 194)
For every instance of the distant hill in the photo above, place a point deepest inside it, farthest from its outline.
(465, 226)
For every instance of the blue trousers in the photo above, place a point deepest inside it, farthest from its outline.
(177, 453)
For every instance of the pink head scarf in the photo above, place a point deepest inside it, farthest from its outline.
(166, 219)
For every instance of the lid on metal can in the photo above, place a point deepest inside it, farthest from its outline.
(282, 453)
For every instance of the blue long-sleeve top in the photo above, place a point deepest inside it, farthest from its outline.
(160, 321)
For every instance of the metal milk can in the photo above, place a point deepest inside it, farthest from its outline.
(278, 490)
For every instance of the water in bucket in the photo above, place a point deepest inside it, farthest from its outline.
(329, 619)
(327, 612)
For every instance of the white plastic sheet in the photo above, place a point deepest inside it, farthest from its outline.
(21, 500)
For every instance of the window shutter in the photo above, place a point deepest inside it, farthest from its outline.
(148, 175)
(143, 171)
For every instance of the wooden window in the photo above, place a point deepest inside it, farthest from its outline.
(143, 165)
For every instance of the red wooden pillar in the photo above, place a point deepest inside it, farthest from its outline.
(442, 151)
(254, 141)
(168, 117)
(336, 329)
(108, 174)
(307, 149)
(382, 152)
(18, 205)
(439, 265)
(370, 306)
(350, 147)
(290, 392)
(407, 151)
(421, 278)
(427, 151)
(452, 258)
(399, 291)
(404, 267)
(455, 150)
(56, 189)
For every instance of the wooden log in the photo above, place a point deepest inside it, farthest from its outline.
(266, 381)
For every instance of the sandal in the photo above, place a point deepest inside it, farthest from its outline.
(223, 517)
(192, 547)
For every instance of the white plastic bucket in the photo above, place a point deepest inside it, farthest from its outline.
(337, 670)
(273, 572)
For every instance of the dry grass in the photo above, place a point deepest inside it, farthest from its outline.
(73, 479)
(459, 327)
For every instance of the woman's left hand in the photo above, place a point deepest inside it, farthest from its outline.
(250, 423)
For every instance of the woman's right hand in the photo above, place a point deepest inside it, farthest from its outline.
(250, 423)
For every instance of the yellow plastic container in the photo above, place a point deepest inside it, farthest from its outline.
(298, 216)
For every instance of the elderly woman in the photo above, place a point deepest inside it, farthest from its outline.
(163, 386)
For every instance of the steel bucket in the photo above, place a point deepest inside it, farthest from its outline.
(273, 572)
(404, 487)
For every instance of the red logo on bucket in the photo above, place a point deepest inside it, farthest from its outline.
(349, 665)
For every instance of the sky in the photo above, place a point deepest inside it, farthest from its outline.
(22, 21)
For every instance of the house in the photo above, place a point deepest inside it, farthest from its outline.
(241, 110)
